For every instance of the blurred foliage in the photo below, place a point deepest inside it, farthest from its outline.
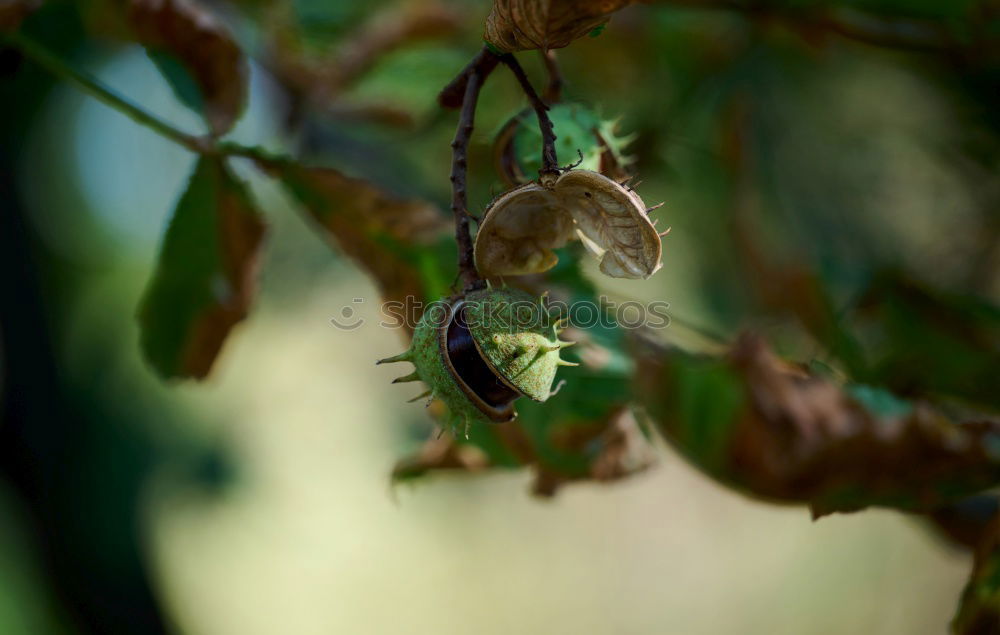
(775, 431)
(184, 32)
(832, 178)
(979, 612)
(206, 275)
(393, 239)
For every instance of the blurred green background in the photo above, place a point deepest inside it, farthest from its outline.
(259, 501)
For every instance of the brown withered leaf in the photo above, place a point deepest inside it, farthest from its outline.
(503, 445)
(12, 12)
(188, 32)
(618, 450)
(205, 278)
(773, 431)
(384, 234)
(521, 25)
(522, 226)
(603, 451)
(440, 454)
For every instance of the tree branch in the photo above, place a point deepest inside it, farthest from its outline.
(550, 164)
(452, 96)
(471, 79)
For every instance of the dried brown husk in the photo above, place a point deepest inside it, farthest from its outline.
(523, 226)
(522, 25)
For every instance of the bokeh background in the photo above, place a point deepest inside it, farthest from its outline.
(259, 501)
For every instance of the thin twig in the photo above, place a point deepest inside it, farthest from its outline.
(554, 87)
(550, 164)
(474, 75)
(201, 145)
(453, 95)
(50, 62)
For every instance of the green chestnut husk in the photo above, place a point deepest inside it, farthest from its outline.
(580, 133)
(480, 352)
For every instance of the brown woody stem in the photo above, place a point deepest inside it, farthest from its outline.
(471, 78)
(553, 89)
(550, 165)
(453, 95)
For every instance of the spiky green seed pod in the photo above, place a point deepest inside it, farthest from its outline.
(481, 352)
(580, 133)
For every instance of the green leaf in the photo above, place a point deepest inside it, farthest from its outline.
(320, 23)
(579, 133)
(925, 341)
(182, 83)
(576, 132)
(698, 418)
(204, 280)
